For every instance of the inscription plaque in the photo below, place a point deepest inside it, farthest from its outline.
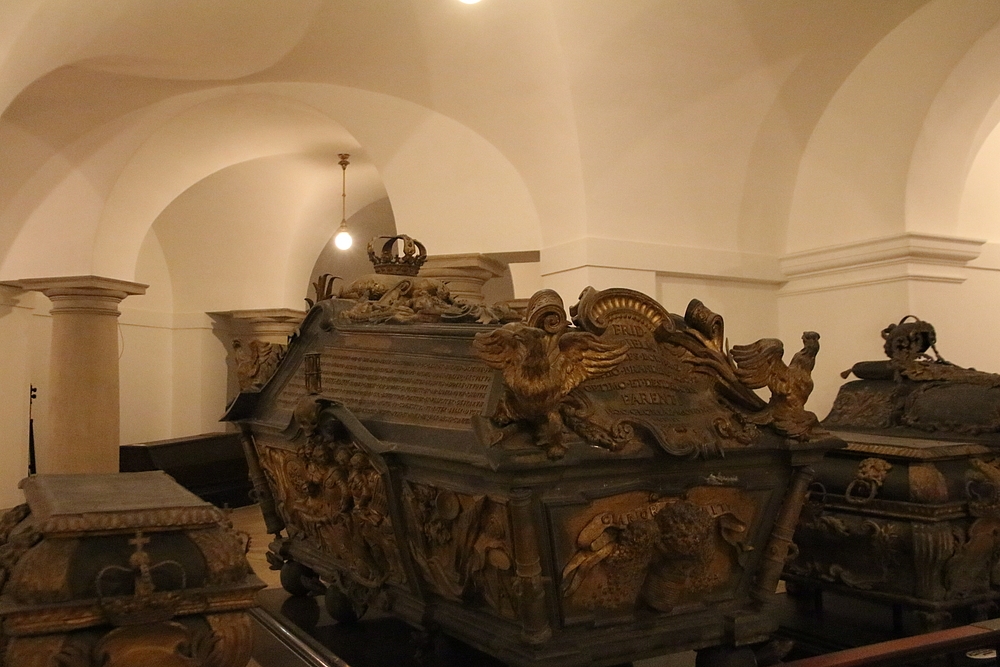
(659, 389)
(407, 388)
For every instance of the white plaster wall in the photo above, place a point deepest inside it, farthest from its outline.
(200, 377)
(15, 369)
(849, 321)
(750, 310)
(965, 316)
(979, 209)
(527, 279)
(853, 176)
(146, 351)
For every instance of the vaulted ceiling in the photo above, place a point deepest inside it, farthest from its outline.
(202, 137)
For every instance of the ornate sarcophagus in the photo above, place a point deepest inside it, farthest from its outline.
(119, 571)
(550, 491)
(909, 513)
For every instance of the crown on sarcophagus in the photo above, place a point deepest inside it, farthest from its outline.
(388, 262)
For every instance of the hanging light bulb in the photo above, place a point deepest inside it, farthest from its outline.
(343, 238)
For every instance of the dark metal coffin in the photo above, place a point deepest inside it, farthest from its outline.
(549, 492)
(909, 513)
(124, 569)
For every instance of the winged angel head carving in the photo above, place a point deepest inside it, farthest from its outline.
(542, 361)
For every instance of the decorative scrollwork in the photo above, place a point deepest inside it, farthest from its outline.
(387, 262)
(395, 294)
(331, 493)
(597, 309)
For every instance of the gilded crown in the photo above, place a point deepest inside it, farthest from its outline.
(388, 262)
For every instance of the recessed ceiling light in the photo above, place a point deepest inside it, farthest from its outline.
(470, 2)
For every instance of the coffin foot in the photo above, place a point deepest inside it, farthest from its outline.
(298, 579)
(983, 612)
(932, 621)
(725, 656)
(339, 606)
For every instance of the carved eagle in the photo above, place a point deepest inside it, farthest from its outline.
(760, 364)
(540, 368)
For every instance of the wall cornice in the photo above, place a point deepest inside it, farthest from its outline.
(664, 259)
(904, 257)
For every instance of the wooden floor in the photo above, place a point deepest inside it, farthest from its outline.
(249, 520)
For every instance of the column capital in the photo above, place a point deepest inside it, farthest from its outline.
(260, 323)
(82, 294)
(464, 274)
(10, 295)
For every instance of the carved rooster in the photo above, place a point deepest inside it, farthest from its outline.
(541, 366)
(760, 365)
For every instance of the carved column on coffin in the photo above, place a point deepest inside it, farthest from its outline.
(530, 591)
(83, 383)
(464, 275)
(255, 342)
(780, 545)
(933, 545)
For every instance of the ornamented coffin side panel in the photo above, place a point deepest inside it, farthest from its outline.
(670, 553)
(931, 561)
(332, 498)
(462, 546)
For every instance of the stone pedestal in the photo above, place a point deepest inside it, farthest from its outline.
(464, 275)
(83, 385)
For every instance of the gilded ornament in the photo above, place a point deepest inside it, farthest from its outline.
(521, 485)
(395, 294)
(659, 551)
(542, 361)
(760, 365)
(462, 545)
(125, 596)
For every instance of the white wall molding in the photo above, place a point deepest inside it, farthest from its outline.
(904, 257)
(989, 258)
(150, 319)
(662, 259)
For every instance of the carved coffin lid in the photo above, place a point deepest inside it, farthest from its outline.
(909, 478)
(913, 394)
(922, 449)
(64, 505)
(629, 377)
(117, 549)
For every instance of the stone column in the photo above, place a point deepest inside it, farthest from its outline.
(464, 275)
(83, 382)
